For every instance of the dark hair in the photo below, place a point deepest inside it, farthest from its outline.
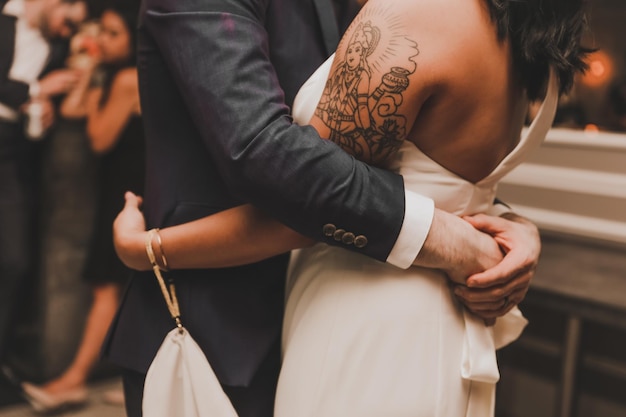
(128, 11)
(543, 34)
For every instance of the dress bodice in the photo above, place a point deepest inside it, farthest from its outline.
(425, 176)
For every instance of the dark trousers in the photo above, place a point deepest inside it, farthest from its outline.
(256, 400)
(17, 251)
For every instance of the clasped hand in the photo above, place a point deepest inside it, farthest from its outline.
(502, 285)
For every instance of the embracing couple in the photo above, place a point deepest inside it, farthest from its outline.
(380, 168)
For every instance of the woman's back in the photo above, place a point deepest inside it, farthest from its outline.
(454, 77)
(476, 107)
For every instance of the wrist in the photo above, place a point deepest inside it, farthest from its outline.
(139, 249)
(34, 90)
(155, 252)
(437, 252)
(131, 250)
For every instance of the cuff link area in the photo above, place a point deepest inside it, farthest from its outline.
(341, 235)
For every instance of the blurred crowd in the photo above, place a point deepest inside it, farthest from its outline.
(65, 63)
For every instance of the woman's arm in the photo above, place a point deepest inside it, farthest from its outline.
(106, 122)
(74, 105)
(237, 236)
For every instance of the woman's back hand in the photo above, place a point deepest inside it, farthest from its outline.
(129, 234)
(495, 291)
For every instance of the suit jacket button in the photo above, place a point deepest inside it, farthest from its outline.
(360, 241)
(338, 235)
(348, 238)
(329, 229)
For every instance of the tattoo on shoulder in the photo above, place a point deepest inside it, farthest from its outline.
(364, 93)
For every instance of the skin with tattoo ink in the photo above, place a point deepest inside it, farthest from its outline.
(361, 105)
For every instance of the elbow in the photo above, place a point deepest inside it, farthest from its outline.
(98, 149)
(101, 138)
(97, 143)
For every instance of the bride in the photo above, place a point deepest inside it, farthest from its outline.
(438, 92)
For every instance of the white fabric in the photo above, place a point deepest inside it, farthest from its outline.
(30, 54)
(419, 210)
(364, 338)
(418, 217)
(181, 383)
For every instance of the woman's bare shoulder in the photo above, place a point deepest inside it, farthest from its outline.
(126, 80)
(428, 37)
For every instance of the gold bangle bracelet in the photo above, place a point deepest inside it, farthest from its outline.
(163, 267)
(149, 249)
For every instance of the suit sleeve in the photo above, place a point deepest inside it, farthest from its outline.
(13, 93)
(218, 56)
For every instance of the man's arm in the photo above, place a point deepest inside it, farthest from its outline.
(15, 93)
(218, 54)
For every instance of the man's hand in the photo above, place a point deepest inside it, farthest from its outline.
(458, 248)
(129, 233)
(47, 115)
(497, 290)
(58, 82)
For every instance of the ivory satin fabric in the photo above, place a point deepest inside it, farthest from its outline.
(363, 338)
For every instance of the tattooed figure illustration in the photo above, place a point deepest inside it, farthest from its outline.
(365, 120)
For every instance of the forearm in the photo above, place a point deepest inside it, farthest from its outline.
(106, 122)
(103, 135)
(456, 247)
(74, 105)
(238, 236)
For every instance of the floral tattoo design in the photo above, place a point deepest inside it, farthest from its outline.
(361, 99)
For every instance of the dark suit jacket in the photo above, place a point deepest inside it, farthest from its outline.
(216, 79)
(15, 93)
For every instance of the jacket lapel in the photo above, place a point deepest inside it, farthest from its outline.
(7, 41)
(328, 23)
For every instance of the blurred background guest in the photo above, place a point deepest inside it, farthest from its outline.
(31, 50)
(107, 96)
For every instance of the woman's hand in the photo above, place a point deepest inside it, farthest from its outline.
(129, 234)
(495, 291)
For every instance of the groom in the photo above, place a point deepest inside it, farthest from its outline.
(217, 78)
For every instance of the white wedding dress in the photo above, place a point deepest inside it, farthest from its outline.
(365, 339)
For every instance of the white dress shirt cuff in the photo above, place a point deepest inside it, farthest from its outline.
(34, 89)
(418, 217)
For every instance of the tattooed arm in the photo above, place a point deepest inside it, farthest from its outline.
(379, 83)
(364, 107)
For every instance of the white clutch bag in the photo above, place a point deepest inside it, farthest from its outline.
(180, 381)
